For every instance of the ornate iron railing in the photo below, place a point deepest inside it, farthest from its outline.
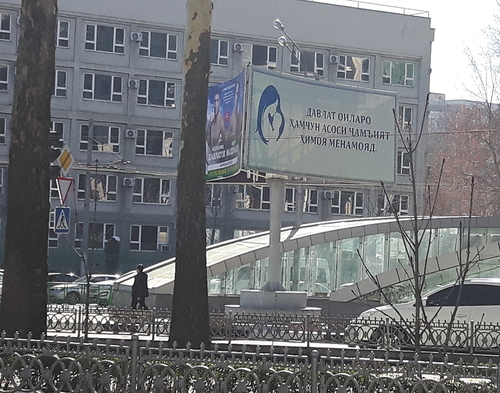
(58, 365)
(377, 333)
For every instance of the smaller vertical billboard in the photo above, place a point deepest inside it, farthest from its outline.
(303, 127)
(224, 128)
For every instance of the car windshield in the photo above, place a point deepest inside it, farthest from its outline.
(61, 277)
(94, 279)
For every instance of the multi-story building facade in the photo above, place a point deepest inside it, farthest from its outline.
(119, 76)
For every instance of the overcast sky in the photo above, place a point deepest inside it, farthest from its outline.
(457, 24)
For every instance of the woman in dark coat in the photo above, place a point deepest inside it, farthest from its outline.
(140, 288)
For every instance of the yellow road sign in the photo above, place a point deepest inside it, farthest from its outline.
(65, 160)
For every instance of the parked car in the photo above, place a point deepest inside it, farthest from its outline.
(55, 277)
(477, 301)
(75, 292)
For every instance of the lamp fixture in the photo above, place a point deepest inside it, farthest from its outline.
(278, 25)
(282, 41)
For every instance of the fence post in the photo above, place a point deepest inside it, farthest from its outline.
(134, 359)
(229, 329)
(307, 330)
(78, 320)
(498, 378)
(314, 371)
(387, 335)
(471, 339)
(152, 323)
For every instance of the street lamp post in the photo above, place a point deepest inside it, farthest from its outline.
(283, 41)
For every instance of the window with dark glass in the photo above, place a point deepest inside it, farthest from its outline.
(105, 39)
(63, 34)
(219, 52)
(160, 45)
(5, 26)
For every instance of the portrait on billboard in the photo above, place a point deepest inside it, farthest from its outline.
(224, 127)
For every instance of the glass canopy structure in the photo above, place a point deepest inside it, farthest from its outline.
(333, 258)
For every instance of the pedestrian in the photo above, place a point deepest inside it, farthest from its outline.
(140, 288)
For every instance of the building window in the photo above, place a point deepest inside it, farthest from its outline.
(290, 199)
(310, 204)
(3, 122)
(60, 86)
(347, 202)
(53, 239)
(5, 27)
(105, 39)
(156, 93)
(102, 87)
(213, 235)
(261, 55)
(4, 77)
(63, 34)
(58, 127)
(3, 174)
(159, 45)
(151, 190)
(219, 52)
(98, 235)
(311, 63)
(393, 204)
(310, 200)
(213, 195)
(154, 143)
(102, 187)
(405, 114)
(105, 138)
(237, 233)
(149, 238)
(253, 197)
(354, 68)
(398, 73)
(54, 190)
(403, 163)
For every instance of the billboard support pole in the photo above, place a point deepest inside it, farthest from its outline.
(277, 185)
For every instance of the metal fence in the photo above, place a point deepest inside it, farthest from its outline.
(376, 333)
(63, 365)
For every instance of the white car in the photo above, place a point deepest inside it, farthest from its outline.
(476, 302)
(75, 292)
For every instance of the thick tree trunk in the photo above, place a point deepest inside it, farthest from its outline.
(24, 293)
(190, 319)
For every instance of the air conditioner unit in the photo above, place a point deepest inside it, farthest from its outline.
(133, 83)
(131, 134)
(135, 36)
(128, 182)
(334, 59)
(164, 247)
(327, 194)
(237, 47)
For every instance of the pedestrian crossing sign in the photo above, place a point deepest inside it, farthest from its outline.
(62, 219)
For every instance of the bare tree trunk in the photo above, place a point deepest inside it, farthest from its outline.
(24, 293)
(190, 318)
